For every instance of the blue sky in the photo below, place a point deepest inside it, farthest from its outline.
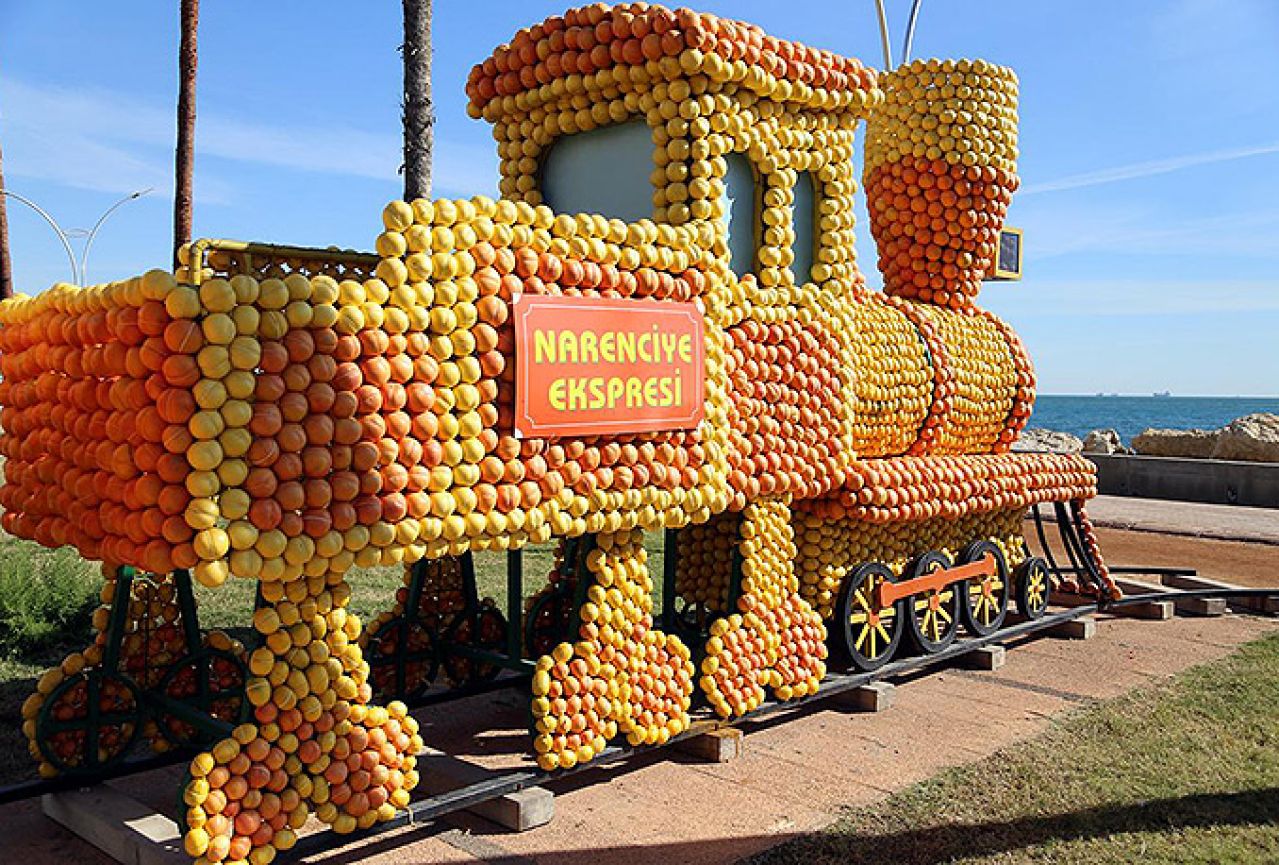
(1149, 136)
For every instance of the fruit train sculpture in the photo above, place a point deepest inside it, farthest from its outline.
(830, 465)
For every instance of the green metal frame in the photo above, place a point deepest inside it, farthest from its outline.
(673, 622)
(150, 704)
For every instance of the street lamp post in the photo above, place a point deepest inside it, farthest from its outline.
(79, 269)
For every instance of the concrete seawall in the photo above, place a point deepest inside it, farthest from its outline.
(1220, 482)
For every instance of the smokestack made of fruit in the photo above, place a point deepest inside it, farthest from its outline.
(941, 163)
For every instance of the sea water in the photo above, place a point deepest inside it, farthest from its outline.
(1129, 415)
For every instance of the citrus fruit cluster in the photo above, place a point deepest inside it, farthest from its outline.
(933, 380)
(704, 561)
(459, 266)
(707, 88)
(985, 374)
(775, 639)
(1088, 533)
(590, 42)
(892, 378)
(315, 744)
(401, 631)
(785, 419)
(96, 395)
(621, 675)
(941, 158)
(251, 793)
(909, 489)
(66, 694)
(549, 611)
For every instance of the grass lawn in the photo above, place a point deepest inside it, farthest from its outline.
(228, 607)
(1186, 772)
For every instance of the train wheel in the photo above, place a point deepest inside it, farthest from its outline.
(211, 681)
(870, 634)
(484, 630)
(89, 721)
(1033, 588)
(986, 601)
(933, 618)
(547, 622)
(402, 659)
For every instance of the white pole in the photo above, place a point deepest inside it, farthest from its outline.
(883, 35)
(93, 232)
(62, 235)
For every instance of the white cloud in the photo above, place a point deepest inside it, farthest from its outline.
(100, 139)
(1051, 298)
(1149, 168)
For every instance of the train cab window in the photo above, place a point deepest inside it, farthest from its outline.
(740, 213)
(803, 223)
(604, 170)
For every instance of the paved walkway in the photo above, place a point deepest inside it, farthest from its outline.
(1222, 522)
(794, 777)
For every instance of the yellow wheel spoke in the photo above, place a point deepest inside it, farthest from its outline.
(942, 614)
(861, 638)
(871, 633)
(884, 634)
(859, 618)
(1035, 596)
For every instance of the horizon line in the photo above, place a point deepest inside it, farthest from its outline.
(1170, 395)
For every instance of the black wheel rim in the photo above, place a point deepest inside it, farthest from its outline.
(870, 633)
(485, 629)
(210, 680)
(402, 659)
(546, 624)
(693, 619)
(985, 600)
(1033, 589)
(933, 618)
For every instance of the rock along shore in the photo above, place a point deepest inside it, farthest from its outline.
(1251, 438)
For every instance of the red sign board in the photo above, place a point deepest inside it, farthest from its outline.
(593, 366)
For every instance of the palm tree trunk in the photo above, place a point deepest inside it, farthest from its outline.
(6, 264)
(183, 194)
(418, 111)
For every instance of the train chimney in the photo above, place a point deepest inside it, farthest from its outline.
(941, 162)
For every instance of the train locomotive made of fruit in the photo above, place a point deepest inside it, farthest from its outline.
(829, 465)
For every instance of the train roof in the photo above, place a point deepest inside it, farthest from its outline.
(590, 39)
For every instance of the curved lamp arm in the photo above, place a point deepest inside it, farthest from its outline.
(93, 232)
(62, 235)
(883, 35)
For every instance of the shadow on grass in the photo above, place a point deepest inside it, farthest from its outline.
(926, 845)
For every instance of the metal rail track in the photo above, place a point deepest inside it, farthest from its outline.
(432, 807)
